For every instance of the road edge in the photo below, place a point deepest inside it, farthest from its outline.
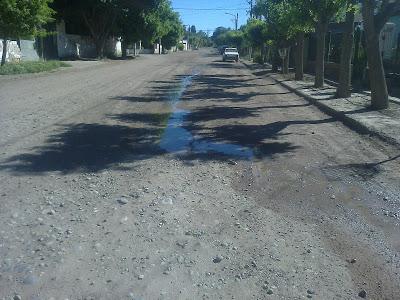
(351, 123)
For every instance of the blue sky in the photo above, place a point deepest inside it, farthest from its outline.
(214, 14)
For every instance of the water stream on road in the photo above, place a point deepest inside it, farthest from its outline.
(177, 139)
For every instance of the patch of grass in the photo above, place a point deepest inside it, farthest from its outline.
(31, 67)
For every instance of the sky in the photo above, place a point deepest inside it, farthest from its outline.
(209, 14)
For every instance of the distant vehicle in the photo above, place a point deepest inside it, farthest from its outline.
(195, 48)
(222, 49)
(230, 54)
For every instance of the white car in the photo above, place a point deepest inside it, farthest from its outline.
(230, 54)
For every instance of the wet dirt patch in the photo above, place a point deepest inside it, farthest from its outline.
(177, 139)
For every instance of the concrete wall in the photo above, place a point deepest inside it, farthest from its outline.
(388, 40)
(157, 48)
(113, 47)
(13, 51)
(25, 51)
(146, 51)
(185, 44)
(28, 51)
(71, 45)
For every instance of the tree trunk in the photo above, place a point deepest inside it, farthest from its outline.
(124, 48)
(263, 53)
(379, 92)
(344, 88)
(275, 59)
(321, 29)
(99, 42)
(299, 75)
(285, 62)
(4, 54)
(159, 46)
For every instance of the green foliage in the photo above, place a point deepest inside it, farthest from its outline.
(130, 24)
(163, 23)
(326, 10)
(284, 19)
(218, 33)
(31, 67)
(256, 32)
(234, 38)
(105, 18)
(258, 59)
(181, 47)
(198, 39)
(174, 34)
(23, 18)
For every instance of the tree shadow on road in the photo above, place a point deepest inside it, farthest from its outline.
(86, 148)
(149, 119)
(254, 136)
(134, 136)
(365, 170)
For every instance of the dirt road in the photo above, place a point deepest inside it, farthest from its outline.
(183, 177)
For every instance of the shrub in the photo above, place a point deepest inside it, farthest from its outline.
(258, 59)
(31, 67)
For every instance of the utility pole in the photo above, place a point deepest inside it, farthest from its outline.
(236, 19)
(188, 41)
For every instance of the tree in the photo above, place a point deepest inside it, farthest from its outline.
(163, 25)
(174, 33)
(98, 16)
(279, 22)
(255, 32)
(344, 88)
(375, 15)
(301, 23)
(323, 12)
(22, 19)
(101, 17)
(217, 34)
(192, 29)
(131, 22)
(278, 15)
(199, 39)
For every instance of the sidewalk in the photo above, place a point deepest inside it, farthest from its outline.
(353, 112)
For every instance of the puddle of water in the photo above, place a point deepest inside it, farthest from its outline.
(176, 139)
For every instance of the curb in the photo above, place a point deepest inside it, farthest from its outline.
(341, 116)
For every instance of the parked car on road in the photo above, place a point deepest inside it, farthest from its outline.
(230, 54)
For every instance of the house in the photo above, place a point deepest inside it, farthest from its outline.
(185, 44)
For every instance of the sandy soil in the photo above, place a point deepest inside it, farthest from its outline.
(183, 177)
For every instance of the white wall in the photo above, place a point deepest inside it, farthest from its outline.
(70, 45)
(388, 40)
(185, 44)
(13, 51)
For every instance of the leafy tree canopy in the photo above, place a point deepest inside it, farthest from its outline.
(23, 18)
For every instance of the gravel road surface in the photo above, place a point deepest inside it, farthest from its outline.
(183, 177)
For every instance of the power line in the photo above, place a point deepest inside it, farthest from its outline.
(224, 9)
